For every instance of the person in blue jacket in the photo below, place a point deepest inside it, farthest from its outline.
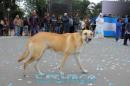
(118, 29)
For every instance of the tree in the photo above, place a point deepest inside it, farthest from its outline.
(81, 7)
(9, 4)
(86, 8)
(38, 5)
(41, 7)
(97, 9)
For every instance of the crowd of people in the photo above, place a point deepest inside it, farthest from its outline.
(67, 23)
(48, 23)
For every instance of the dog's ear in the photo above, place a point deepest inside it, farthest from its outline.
(80, 32)
(83, 28)
(92, 34)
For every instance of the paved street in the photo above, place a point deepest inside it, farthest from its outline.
(108, 64)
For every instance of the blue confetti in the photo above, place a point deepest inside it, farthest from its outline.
(110, 84)
(10, 84)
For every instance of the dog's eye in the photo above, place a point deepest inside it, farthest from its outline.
(85, 33)
(91, 34)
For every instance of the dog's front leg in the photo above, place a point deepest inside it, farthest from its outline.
(79, 64)
(36, 66)
(63, 62)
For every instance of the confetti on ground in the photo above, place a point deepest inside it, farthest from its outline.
(29, 82)
(102, 59)
(20, 79)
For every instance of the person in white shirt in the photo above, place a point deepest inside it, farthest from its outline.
(99, 32)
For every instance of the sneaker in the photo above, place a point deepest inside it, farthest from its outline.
(125, 44)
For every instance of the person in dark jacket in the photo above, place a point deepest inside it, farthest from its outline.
(46, 21)
(76, 22)
(34, 23)
(127, 32)
(58, 28)
(1, 27)
(53, 22)
(65, 20)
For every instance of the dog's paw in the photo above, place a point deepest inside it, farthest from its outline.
(40, 73)
(85, 71)
(62, 73)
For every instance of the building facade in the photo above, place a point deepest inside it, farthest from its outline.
(116, 8)
(60, 6)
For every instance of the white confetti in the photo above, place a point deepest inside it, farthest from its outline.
(103, 60)
(113, 67)
(90, 84)
(56, 63)
(99, 68)
(128, 61)
(111, 57)
(74, 64)
(29, 82)
(45, 61)
(51, 65)
(105, 78)
(20, 79)
(116, 59)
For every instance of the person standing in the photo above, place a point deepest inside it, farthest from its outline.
(92, 24)
(58, 25)
(34, 23)
(118, 29)
(76, 21)
(65, 20)
(127, 32)
(125, 21)
(123, 28)
(18, 23)
(71, 25)
(6, 27)
(87, 22)
(99, 32)
(46, 21)
(53, 22)
(1, 27)
(26, 27)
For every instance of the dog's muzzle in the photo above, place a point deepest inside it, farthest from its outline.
(88, 40)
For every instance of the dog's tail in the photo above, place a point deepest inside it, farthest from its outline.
(24, 55)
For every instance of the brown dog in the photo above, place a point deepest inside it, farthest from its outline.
(69, 43)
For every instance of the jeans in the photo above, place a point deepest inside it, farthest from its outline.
(66, 27)
(118, 34)
(25, 30)
(58, 29)
(34, 30)
(47, 27)
(17, 30)
(76, 27)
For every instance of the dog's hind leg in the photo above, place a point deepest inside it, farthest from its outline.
(35, 55)
(39, 55)
(28, 62)
(79, 64)
(63, 61)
